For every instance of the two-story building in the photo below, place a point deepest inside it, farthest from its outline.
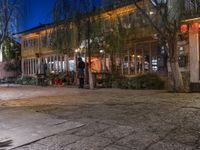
(141, 52)
(141, 46)
(35, 51)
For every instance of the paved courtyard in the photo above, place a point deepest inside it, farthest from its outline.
(50, 118)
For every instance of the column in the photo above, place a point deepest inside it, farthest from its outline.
(75, 62)
(65, 63)
(109, 63)
(129, 65)
(28, 67)
(194, 56)
(135, 62)
(143, 59)
(22, 67)
(38, 66)
(150, 58)
(122, 65)
(54, 64)
(31, 66)
(62, 63)
(50, 68)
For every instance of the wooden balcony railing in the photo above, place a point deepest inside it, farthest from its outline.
(192, 8)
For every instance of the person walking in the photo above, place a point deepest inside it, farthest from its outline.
(81, 68)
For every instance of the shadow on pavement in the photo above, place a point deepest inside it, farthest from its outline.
(5, 143)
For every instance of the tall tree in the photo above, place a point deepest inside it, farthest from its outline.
(75, 23)
(169, 14)
(8, 17)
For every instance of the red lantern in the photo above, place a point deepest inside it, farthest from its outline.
(184, 28)
(195, 27)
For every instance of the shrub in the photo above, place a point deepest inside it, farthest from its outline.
(149, 81)
(25, 80)
(144, 81)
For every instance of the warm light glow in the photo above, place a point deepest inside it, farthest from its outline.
(77, 50)
(193, 19)
(102, 51)
(151, 12)
(139, 56)
(195, 27)
(133, 55)
(184, 28)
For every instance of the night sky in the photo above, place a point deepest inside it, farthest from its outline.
(36, 12)
(40, 11)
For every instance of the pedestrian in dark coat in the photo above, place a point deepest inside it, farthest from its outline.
(81, 68)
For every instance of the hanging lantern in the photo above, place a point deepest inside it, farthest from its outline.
(195, 27)
(184, 28)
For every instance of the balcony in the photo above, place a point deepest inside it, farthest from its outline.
(192, 9)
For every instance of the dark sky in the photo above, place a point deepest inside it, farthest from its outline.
(37, 11)
(40, 11)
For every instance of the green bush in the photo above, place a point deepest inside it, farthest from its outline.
(25, 80)
(144, 81)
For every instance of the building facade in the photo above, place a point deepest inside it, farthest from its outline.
(139, 47)
(140, 53)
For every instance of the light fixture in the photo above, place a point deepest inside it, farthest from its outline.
(195, 27)
(77, 50)
(181, 48)
(101, 51)
(151, 13)
(184, 28)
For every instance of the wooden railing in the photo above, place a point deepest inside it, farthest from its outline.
(192, 8)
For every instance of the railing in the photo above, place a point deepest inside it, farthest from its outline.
(192, 8)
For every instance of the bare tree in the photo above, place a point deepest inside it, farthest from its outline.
(8, 17)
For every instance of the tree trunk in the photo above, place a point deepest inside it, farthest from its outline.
(91, 82)
(178, 85)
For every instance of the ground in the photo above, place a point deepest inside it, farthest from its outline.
(49, 118)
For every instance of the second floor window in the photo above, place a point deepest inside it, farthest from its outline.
(30, 43)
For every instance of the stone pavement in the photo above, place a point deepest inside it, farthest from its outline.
(24, 127)
(107, 119)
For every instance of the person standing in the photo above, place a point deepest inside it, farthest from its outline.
(81, 68)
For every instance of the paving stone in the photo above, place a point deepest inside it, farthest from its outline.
(34, 146)
(59, 140)
(116, 147)
(32, 127)
(138, 140)
(170, 146)
(89, 143)
(91, 129)
(117, 132)
(112, 118)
